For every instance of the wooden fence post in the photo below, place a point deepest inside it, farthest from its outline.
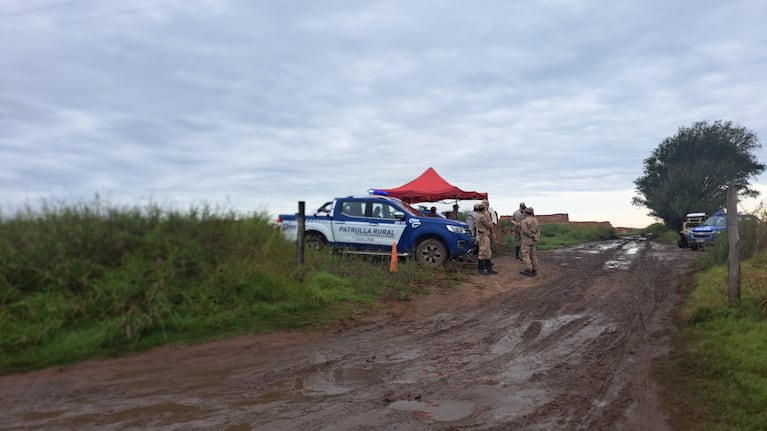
(301, 230)
(733, 244)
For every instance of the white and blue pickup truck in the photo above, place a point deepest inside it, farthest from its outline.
(371, 224)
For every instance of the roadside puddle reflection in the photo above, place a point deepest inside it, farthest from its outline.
(336, 382)
(438, 411)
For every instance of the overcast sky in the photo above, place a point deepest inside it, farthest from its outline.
(254, 105)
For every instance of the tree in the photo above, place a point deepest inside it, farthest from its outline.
(689, 172)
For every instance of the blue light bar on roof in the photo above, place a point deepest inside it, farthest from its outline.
(378, 192)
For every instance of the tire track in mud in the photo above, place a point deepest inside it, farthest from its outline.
(618, 359)
(569, 350)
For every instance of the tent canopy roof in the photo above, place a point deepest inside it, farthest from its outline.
(429, 187)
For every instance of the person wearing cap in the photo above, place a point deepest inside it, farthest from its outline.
(484, 226)
(494, 219)
(516, 221)
(530, 231)
(454, 214)
(491, 211)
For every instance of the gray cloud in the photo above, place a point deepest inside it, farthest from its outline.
(260, 104)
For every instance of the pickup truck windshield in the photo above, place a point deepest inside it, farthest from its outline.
(716, 221)
(412, 210)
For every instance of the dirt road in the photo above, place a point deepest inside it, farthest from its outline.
(569, 349)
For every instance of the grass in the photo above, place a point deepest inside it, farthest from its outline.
(95, 280)
(558, 235)
(660, 232)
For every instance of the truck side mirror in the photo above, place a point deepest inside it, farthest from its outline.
(399, 215)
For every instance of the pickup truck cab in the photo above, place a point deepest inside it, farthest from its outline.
(371, 224)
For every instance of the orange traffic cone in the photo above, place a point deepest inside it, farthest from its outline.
(393, 264)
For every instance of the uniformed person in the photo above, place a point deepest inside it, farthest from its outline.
(491, 211)
(516, 221)
(530, 231)
(471, 216)
(484, 226)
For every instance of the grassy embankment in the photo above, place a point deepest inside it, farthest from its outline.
(717, 377)
(95, 281)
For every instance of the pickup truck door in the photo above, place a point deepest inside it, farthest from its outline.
(350, 224)
(386, 227)
(367, 224)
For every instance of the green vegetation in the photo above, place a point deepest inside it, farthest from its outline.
(717, 378)
(660, 232)
(558, 235)
(95, 280)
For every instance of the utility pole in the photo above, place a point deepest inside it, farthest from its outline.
(301, 230)
(733, 243)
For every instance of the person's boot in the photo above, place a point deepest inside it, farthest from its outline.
(534, 272)
(527, 272)
(489, 267)
(482, 267)
(516, 250)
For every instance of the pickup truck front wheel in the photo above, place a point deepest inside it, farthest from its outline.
(431, 252)
(315, 241)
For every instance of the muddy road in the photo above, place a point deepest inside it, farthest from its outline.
(570, 349)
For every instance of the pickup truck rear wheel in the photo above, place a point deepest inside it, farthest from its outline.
(431, 252)
(315, 241)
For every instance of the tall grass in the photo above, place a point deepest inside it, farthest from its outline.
(753, 239)
(94, 280)
(660, 232)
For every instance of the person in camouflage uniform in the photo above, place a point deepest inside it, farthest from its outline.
(531, 233)
(516, 221)
(484, 226)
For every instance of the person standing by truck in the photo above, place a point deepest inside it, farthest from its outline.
(516, 221)
(453, 215)
(531, 233)
(491, 211)
(484, 226)
(470, 221)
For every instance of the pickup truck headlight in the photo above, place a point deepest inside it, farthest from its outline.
(456, 229)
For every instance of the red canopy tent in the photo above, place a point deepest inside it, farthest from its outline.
(429, 187)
